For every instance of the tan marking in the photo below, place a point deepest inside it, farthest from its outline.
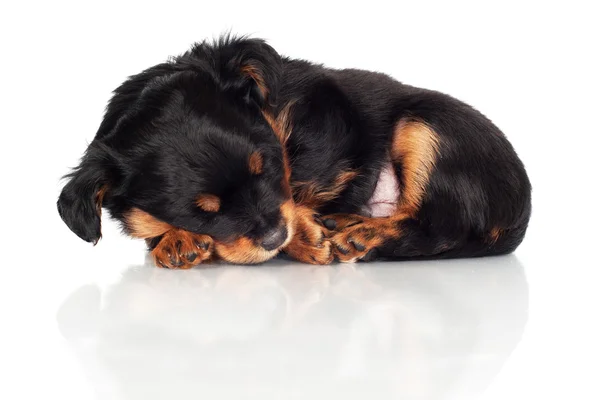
(142, 225)
(416, 146)
(288, 211)
(495, 234)
(283, 129)
(208, 202)
(254, 73)
(245, 251)
(282, 124)
(310, 194)
(100, 198)
(255, 163)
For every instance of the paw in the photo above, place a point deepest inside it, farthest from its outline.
(309, 243)
(338, 222)
(309, 253)
(356, 238)
(182, 249)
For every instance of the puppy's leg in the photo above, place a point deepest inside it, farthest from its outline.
(414, 153)
(309, 243)
(400, 237)
(170, 247)
(357, 238)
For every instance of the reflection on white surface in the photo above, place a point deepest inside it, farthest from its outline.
(422, 330)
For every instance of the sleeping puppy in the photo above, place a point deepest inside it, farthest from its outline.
(233, 152)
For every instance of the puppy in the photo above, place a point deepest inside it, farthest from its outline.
(233, 152)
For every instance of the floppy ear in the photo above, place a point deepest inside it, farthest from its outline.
(80, 203)
(251, 67)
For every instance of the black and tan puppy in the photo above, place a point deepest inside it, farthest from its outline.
(232, 152)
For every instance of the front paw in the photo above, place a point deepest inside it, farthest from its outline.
(182, 249)
(309, 243)
(356, 238)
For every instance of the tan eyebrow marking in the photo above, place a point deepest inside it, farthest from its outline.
(208, 202)
(255, 163)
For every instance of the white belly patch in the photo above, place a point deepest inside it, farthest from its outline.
(385, 197)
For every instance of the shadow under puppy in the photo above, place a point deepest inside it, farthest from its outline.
(233, 152)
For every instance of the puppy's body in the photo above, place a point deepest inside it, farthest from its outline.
(230, 151)
(476, 197)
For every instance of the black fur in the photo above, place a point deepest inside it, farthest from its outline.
(180, 129)
(187, 127)
(347, 118)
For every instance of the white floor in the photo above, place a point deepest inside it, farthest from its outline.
(81, 322)
(427, 330)
(493, 328)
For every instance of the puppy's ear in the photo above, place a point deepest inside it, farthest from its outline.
(80, 202)
(252, 68)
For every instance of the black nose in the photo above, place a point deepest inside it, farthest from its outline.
(274, 238)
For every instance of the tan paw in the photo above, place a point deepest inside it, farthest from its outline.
(338, 222)
(357, 238)
(182, 249)
(309, 243)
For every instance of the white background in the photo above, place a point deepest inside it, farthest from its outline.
(532, 67)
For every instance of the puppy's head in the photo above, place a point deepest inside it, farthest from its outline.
(186, 143)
